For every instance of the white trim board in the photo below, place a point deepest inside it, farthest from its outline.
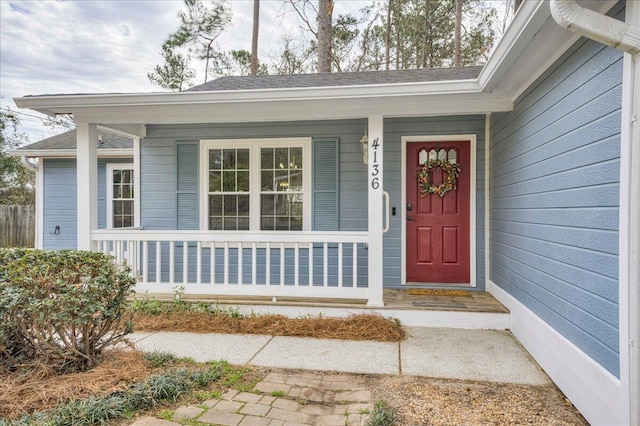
(592, 389)
(629, 230)
(39, 243)
(472, 139)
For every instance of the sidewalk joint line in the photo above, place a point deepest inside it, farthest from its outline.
(260, 350)
(400, 358)
(152, 333)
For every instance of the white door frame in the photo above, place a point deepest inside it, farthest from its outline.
(472, 139)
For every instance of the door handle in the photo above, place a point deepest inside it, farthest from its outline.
(409, 217)
(385, 195)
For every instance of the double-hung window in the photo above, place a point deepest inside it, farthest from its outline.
(120, 196)
(257, 184)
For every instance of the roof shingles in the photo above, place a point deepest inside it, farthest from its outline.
(339, 79)
(67, 140)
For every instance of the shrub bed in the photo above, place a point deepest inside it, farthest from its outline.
(144, 395)
(60, 308)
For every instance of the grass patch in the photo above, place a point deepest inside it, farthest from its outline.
(382, 415)
(158, 359)
(205, 395)
(166, 414)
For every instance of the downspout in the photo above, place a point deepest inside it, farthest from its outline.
(586, 22)
(625, 37)
(28, 164)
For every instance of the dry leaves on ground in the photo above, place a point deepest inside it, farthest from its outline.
(39, 389)
(425, 401)
(354, 327)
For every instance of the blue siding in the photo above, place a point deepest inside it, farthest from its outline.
(159, 168)
(167, 164)
(394, 129)
(60, 201)
(554, 198)
(164, 168)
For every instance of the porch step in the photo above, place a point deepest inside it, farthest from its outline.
(477, 310)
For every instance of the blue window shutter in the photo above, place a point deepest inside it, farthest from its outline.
(326, 216)
(187, 185)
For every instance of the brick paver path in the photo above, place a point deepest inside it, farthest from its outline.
(283, 399)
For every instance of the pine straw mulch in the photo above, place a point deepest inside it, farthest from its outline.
(40, 389)
(354, 327)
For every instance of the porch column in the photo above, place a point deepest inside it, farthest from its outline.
(375, 184)
(87, 183)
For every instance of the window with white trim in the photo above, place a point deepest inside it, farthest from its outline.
(257, 184)
(120, 196)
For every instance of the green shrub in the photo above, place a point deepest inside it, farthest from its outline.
(382, 415)
(148, 305)
(61, 308)
(158, 359)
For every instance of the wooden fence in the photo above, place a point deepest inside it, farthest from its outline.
(17, 226)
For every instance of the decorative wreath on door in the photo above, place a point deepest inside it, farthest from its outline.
(427, 187)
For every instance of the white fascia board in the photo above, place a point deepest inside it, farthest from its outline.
(317, 109)
(70, 103)
(528, 20)
(411, 99)
(70, 153)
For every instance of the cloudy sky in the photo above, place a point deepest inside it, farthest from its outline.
(89, 46)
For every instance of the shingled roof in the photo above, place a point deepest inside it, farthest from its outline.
(339, 79)
(67, 140)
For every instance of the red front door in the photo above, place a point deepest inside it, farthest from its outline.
(438, 242)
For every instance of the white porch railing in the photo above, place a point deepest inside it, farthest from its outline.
(243, 263)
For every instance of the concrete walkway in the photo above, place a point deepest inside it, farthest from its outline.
(485, 355)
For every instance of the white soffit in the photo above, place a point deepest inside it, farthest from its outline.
(545, 47)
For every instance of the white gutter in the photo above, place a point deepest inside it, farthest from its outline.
(624, 36)
(573, 17)
(54, 103)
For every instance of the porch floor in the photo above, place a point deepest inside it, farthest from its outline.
(407, 299)
(446, 300)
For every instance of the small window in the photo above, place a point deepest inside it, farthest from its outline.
(120, 196)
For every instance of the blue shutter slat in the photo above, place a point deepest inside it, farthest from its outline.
(187, 185)
(325, 185)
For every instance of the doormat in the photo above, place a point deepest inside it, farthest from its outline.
(437, 292)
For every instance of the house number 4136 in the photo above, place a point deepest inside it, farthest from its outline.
(375, 165)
